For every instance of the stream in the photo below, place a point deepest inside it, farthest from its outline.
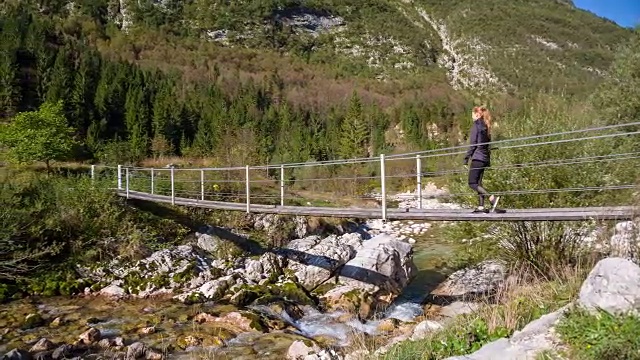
(173, 321)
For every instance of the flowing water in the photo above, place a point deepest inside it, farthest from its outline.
(173, 323)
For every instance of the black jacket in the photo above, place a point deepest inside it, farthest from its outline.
(479, 135)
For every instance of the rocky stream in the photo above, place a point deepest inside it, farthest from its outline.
(223, 296)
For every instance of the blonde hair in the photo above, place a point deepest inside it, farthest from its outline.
(486, 115)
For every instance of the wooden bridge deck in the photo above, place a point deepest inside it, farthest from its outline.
(552, 214)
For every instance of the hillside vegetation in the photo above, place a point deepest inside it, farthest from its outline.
(278, 81)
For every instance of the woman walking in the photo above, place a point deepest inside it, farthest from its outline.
(480, 155)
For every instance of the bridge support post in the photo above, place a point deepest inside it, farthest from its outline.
(247, 182)
(419, 180)
(126, 178)
(384, 188)
(173, 187)
(202, 184)
(152, 180)
(119, 177)
(281, 185)
(93, 172)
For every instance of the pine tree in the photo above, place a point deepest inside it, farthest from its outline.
(355, 132)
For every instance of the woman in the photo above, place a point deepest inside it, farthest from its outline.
(480, 155)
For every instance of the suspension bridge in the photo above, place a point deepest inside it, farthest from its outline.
(320, 188)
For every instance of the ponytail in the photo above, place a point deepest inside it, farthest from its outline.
(486, 117)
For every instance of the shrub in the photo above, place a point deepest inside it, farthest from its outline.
(45, 222)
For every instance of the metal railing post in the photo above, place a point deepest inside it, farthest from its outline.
(419, 180)
(281, 185)
(202, 184)
(119, 177)
(126, 175)
(384, 188)
(93, 172)
(173, 188)
(152, 180)
(247, 182)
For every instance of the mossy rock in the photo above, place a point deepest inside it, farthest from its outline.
(244, 297)
(255, 321)
(323, 289)
(293, 292)
(32, 321)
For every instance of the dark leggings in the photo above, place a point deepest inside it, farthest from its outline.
(476, 171)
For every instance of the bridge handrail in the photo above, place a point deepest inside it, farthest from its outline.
(423, 154)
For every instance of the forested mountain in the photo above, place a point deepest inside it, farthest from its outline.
(289, 80)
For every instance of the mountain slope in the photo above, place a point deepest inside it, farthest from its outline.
(237, 81)
(497, 45)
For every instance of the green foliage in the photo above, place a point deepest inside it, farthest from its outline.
(41, 135)
(619, 97)
(601, 335)
(77, 221)
(575, 164)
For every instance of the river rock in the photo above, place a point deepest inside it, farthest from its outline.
(382, 263)
(613, 285)
(300, 351)
(479, 280)
(314, 259)
(62, 351)
(113, 291)
(32, 321)
(423, 329)
(208, 241)
(216, 289)
(42, 345)
(43, 355)
(136, 350)
(177, 268)
(90, 336)
(268, 265)
(17, 354)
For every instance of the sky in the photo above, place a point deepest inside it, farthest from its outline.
(624, 12)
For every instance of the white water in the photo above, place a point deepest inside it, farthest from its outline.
(314, 323)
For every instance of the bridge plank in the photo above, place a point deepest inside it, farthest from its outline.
(618, 213)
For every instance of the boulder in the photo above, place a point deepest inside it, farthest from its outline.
(17, 354)
(208, 241)
(42, 345)
(382, 263)
(113, 291)
(479, 280)
(267, 266)
(613, 285)
(90, 336)
(299, 350)
(425, 328)
(314, 259)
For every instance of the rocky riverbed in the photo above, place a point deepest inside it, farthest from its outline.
(225, 296)
(193, 300)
